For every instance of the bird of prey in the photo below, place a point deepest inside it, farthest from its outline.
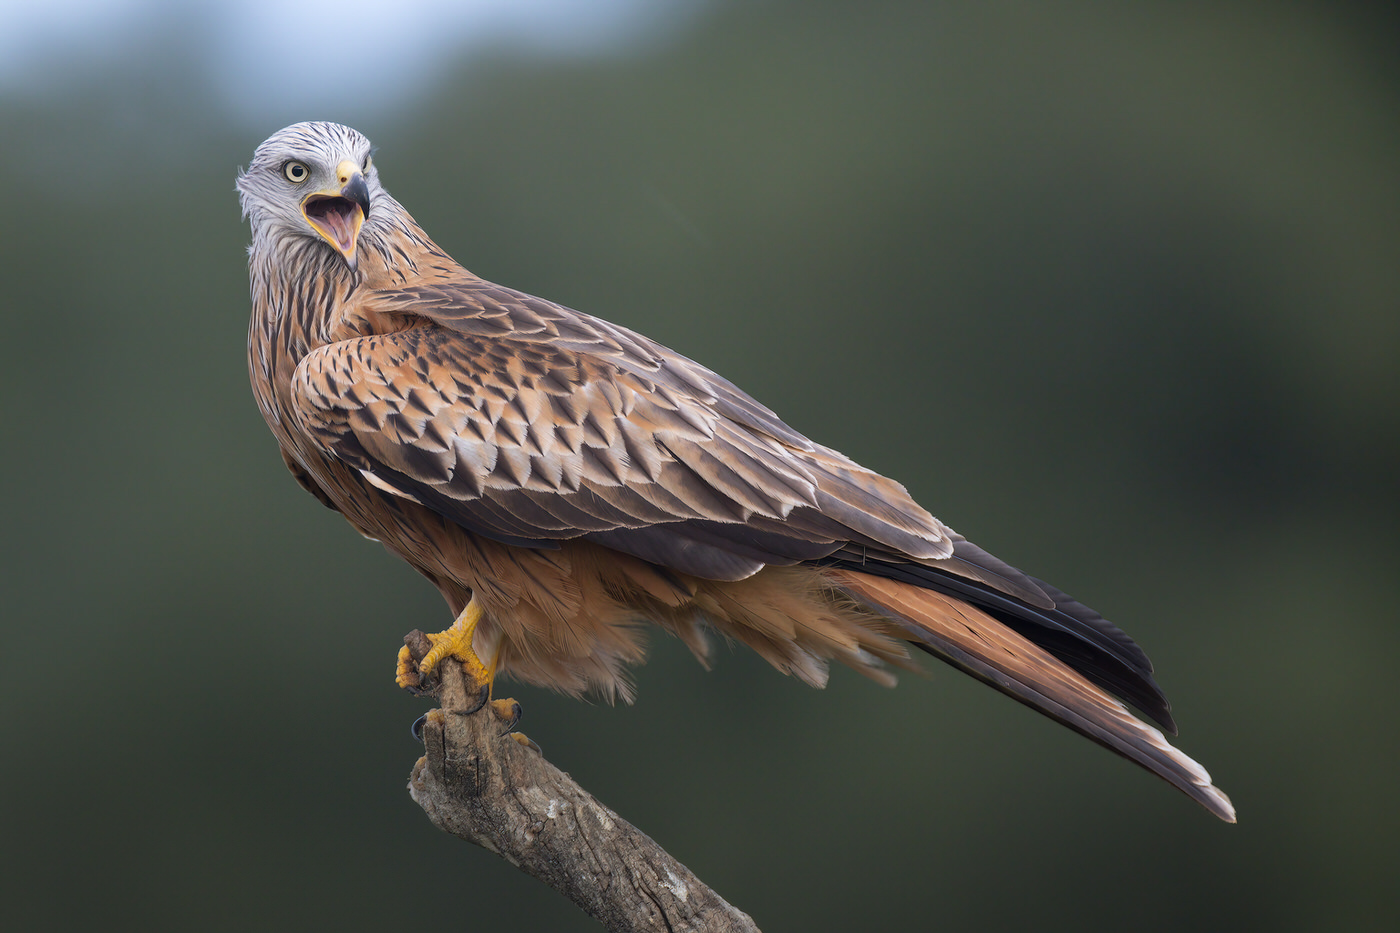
(562, 480)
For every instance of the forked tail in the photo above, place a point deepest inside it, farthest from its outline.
(973, 641)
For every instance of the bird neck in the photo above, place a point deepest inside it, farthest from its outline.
(394, 251)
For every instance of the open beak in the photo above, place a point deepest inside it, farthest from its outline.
(338, 214)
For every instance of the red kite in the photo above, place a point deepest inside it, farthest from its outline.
(563, 480)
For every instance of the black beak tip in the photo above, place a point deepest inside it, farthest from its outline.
(357, 192)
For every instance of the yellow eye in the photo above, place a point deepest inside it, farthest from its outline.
(296, 172)
(369, 160)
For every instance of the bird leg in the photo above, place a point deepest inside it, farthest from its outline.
(456, 642)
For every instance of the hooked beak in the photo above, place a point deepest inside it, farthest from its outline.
(338, 214)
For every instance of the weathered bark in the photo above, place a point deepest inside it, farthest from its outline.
(492, 790)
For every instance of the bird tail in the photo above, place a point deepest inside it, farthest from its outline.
(978, 644)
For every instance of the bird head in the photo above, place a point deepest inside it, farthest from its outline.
(312, 180)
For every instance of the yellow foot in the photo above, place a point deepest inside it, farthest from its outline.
(524, 740)
(508, 712)
(456, 642)
(406, 675)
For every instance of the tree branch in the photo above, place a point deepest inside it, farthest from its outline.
(502, 795)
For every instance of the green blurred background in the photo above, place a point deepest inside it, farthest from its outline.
(1113, 288)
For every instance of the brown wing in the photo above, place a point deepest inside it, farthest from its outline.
(530, 423)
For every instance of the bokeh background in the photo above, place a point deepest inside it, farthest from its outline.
(1114, 288)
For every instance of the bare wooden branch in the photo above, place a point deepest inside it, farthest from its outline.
(492, 790)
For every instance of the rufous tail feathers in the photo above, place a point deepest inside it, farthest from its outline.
(973, 641)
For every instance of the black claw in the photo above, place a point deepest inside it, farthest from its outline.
(417, 727)
(483, 696)
(513, 721)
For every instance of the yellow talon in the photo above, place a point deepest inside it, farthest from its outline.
(456, 642)
(508, 712)
(406, 675)
(523, 740)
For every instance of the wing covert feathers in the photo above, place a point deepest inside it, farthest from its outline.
(969, 639)
(531, 441)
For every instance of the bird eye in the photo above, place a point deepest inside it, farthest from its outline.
(296, 172)
(369, 160)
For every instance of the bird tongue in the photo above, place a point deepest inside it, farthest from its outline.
(336, 217)
(339, 225)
